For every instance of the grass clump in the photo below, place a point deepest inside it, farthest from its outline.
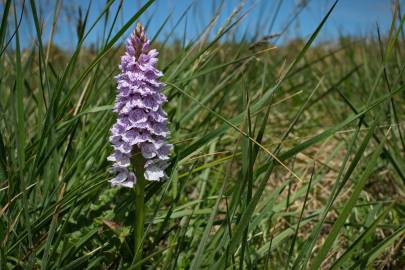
(285, 157)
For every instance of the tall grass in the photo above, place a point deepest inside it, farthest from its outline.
(285, 157)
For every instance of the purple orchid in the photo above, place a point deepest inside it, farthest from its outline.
(141, 126)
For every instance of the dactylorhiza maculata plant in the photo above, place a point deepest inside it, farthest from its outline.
(141, 127)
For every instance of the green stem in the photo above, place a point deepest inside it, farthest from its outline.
(138, 164)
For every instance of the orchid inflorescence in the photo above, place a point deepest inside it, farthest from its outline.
(141, 127)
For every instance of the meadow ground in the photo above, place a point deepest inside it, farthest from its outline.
(285, 157)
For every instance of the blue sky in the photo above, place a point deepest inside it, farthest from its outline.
(351, 17)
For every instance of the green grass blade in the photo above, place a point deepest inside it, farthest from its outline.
(347, 208)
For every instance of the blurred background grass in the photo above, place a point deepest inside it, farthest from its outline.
(289, 144)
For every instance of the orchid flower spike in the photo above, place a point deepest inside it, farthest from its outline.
(141, 127)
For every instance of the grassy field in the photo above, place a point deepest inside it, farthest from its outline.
(289, 157)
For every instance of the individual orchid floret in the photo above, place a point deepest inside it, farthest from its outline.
(141, 127)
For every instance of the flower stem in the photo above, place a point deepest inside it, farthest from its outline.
(138, 164)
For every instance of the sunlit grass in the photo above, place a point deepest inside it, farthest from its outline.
(285, 157)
